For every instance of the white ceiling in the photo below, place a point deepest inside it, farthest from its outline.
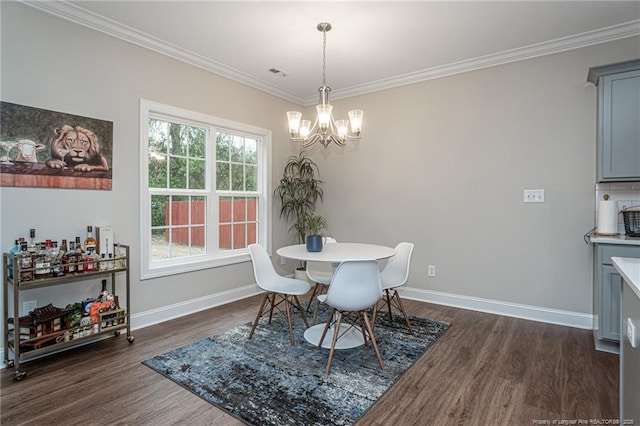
(372, 46)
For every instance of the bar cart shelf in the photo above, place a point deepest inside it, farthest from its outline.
(21, 344)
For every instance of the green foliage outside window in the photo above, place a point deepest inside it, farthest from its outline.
(177, 160)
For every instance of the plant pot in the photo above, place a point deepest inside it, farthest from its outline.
(314, 243)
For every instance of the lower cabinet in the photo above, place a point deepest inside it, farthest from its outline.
(607, 290)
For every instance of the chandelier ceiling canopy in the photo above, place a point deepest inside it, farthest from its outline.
(325, 128)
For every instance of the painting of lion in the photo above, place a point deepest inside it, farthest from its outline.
(76, 148)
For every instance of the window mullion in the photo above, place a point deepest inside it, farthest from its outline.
(185, 167)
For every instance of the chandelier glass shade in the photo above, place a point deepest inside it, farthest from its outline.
(325, 129)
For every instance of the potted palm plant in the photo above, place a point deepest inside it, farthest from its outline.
(315, 224)
(299, 191)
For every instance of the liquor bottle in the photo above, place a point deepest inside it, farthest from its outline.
(79, 256)
(102, 263)
(31, 248)
(57, 267)
(41, 261)
(69, 258)
(25, 263)
(89, 242)
(13, 252)
(90, 261)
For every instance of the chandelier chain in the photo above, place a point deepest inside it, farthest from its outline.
(324, 57)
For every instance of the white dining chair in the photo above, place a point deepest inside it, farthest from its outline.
(278, 289)
(394, 275)
(320, 273)
(355, 287)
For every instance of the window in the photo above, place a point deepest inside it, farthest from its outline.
(204, 186)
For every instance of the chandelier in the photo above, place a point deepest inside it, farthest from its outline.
(324, 129)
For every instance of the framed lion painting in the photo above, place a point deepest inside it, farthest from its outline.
(49, 149)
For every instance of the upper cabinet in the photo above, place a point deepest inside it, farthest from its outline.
(618, 146)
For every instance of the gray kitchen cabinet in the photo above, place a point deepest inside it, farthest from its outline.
(607, 292)
(618, 137)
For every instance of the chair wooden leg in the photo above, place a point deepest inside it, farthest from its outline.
(401, 305)
(321, 291)
(326, 328)
(336, 332)
(314, 293)
(287, 307)
(315, 312)
(255, 323)
(388, 300)
(373, 340)
(375, 313)
(272, 300)
(299, 306)
(362, 329)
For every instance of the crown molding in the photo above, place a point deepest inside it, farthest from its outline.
(65, 10)
(603, 35)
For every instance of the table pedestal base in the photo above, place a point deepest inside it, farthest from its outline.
(347, 338)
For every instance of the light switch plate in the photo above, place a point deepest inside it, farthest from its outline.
(534, 195)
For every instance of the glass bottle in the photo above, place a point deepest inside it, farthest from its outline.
(13, 252)
(79, 256)
(69, 258)
(90, 261)
(25, 263)
(57, 267)
(89, 242)
(102, 263)
(42, 261)
(31, 248)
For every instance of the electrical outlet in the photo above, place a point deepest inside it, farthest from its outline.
(431, 271)
(534, 195)
(29, 306)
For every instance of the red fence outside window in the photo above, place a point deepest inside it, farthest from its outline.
(237, 226)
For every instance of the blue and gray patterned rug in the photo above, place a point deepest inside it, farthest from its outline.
(266, 381)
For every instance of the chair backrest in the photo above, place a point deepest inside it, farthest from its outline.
(265, 273)
(321, 271)
(355, 285)
(396, 271)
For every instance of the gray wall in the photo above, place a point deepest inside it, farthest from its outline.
(442, 163)
(52, 64)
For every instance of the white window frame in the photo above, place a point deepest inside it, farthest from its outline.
(150, 269)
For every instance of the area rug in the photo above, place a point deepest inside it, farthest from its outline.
(266, 381)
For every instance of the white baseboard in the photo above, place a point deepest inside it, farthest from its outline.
(534, 313)
(166, 313)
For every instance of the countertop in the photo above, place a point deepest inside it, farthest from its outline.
(616, 239)
(630, 270)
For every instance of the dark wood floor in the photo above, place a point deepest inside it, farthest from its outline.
(486, 370)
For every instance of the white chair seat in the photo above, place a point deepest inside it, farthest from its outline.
(394, 275)
(355, 287)
(275, 286)
(290, 286)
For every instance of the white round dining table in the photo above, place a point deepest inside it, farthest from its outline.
(337, 252)
(349, 336)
